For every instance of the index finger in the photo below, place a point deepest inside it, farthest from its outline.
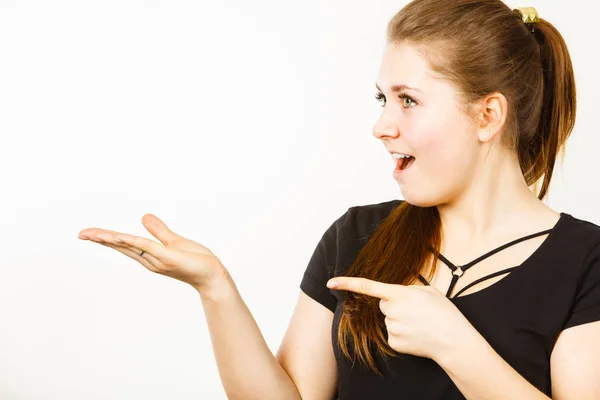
(362, 285)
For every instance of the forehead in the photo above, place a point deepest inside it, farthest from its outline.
(403, 64)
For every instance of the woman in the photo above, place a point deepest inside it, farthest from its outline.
(469, 288)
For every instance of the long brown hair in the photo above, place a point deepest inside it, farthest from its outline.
(481, 46)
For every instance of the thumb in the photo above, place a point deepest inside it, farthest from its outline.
(159, 229)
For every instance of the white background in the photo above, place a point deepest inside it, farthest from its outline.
(246, 126)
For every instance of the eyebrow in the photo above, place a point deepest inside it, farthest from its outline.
(399, 88)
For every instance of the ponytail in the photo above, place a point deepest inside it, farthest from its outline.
(557, 117)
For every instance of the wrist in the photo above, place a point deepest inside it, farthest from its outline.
(459, 346)
(219, 288)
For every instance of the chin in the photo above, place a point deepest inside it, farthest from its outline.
(419, 198)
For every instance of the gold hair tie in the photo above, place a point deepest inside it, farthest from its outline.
(529, 15)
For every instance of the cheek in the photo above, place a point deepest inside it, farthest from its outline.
(439, 142)
(443, 163)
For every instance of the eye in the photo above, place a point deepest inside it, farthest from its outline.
(407, 102)
(379, 96)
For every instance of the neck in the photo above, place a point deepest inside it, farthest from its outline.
(497, 203)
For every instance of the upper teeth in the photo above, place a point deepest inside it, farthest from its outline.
(398, 155)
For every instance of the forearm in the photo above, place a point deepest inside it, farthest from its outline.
(247, 367)
(481, 373)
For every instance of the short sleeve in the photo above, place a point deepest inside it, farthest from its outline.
(321, 267)
(586, 305)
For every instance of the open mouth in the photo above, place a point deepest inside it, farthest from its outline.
(404, 163)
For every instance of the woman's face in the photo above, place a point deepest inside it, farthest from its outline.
(425, 120)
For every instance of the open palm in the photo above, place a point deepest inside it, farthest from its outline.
(175, 256)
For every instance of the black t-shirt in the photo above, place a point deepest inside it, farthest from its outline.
(520, 316)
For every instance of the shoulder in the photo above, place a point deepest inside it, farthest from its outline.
(583, 225)
(353, 230)
(576, 255)
(577, 243)
(362, 219)
(579, 234)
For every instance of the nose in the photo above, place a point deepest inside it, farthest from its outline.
(385, 128)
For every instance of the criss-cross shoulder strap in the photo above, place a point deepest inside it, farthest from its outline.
(458, 271)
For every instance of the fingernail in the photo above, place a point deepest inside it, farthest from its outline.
(83, 237)
(332, 284)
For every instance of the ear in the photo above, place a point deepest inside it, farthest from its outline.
(492, 111)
